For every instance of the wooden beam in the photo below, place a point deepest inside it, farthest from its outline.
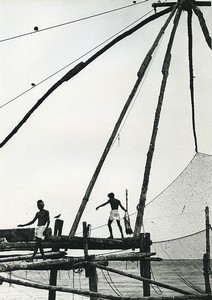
(66, 242)
(168, 4)
(99, 295)
(67, 263)
(60, 289)
(166, 286)
(48, 255)
(23, 265)
(124, 256)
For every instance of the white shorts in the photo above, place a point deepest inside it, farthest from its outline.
(114, 215)
(39, 232)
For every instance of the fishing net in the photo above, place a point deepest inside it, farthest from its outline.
(179, 210)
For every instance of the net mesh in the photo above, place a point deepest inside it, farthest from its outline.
(179, 210)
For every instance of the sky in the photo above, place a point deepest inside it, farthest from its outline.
(54, 155)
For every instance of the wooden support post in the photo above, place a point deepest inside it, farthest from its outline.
(93, 278)
(145, 269)
(58, 226)
(90, 271)
(206, 256)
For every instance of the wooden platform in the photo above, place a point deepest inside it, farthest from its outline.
(22, 239)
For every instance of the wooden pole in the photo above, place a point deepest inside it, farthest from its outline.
(53, 273)
(92, 182)
(165, 71)
(145, 269)
(168, 4)
(90, 270)
(202, 24)
(164, 285)
(191, 75)
(99, 295)
(49, 255)
(206, 256)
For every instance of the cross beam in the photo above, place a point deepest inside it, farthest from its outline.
(165, 4)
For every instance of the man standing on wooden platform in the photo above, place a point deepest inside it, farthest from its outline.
(114, 214)
(40, 232)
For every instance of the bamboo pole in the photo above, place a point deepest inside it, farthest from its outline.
(140, 74)
(166, 286)
(99, 295)
(165, 70)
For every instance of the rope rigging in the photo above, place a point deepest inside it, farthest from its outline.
(36, 30)
(75, 60)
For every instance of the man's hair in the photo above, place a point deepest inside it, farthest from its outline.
(111, 195)
(40, 201)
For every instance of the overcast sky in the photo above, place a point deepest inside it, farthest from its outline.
(54, 155)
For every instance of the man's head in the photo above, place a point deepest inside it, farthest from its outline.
(111, 195)
(40, 204)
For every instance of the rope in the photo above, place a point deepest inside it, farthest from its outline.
(36, 31)
(156, 288)
(114, 289)
(23, 292)
(77, 59)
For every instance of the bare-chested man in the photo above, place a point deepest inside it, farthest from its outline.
(114, 214)
(43, 223)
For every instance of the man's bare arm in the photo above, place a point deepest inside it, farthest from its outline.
(122, 206)
(102, 205)
(29, 223)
